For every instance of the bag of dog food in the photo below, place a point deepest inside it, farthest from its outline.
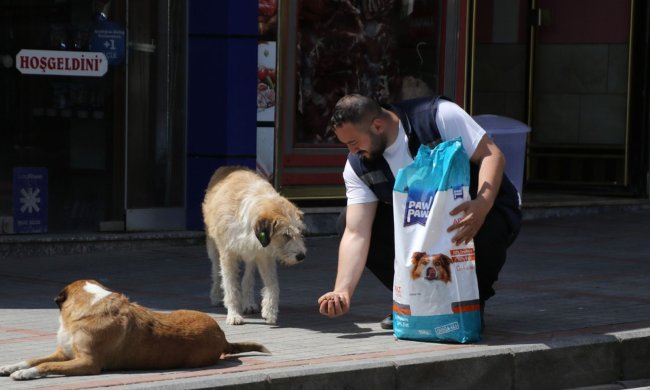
(435, 292)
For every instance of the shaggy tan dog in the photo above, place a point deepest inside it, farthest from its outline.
(247, 220)
(101, 330)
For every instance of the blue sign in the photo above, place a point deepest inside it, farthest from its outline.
(109, 38)
(30, 200)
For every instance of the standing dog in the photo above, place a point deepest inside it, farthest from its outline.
(247, 220)
(101, 330)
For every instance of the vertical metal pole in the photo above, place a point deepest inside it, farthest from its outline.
(469, 104)
(628, 98)
(286, 65)
(126, 111)
(451, 48)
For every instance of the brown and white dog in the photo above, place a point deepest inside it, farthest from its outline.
(434, 267)
(102, 330)
(247, 220)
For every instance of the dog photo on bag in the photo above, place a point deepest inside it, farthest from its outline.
(101, 330)
(431, 277)
(247, 221)
(431, 267)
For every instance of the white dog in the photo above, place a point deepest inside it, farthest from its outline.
(247, 220)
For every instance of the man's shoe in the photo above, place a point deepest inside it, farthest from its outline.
(387, 323)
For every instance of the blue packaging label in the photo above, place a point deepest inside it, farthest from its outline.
(458, 192)
(418, 205)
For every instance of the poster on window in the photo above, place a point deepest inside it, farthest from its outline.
(30, 200)
(265, 151)
(266, 81)
(267, 19)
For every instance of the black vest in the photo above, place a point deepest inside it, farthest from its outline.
(418, 117)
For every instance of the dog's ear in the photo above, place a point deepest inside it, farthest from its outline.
(416, 256)
(63, 295)
(264, 231)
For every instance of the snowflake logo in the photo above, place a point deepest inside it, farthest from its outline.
(30, 200)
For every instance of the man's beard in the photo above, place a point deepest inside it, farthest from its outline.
(378, 144)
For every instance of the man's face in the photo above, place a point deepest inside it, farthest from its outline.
(369, 143)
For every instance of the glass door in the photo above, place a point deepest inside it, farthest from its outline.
(61, 116)
(562, 67)
(155, 116)
(580, 93)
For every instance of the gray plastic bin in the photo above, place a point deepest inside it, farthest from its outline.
(510, 136)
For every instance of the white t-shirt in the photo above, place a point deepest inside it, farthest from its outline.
(452, 122)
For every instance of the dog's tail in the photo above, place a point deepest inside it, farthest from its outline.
(246, 346)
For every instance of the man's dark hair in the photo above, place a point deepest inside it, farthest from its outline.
(354, 109)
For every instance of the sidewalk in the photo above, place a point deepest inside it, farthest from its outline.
(572, 309)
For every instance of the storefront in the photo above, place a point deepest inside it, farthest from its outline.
(389, 50)
(306, 55)
(116, 112)
(93, 115)
(576, 78)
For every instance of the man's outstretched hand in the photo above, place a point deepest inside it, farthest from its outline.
(334, 304)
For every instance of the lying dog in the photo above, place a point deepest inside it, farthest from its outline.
(101, 330)
(434, 267)
(247, 220)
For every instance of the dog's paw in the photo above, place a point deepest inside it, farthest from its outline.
(7, 370)
(270, 315)
(21, 375)
(251, 308)
(234, 319)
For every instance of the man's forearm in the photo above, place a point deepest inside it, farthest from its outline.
(353, 253)
(489, 178)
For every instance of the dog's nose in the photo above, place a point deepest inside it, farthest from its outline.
(300, 256)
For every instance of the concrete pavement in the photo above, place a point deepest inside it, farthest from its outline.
(572, 309)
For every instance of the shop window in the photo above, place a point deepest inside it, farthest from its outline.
(73, 110)
(58, 114)
(385, 49)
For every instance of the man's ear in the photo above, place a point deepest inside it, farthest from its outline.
(376, 125)
(264, 231)
(379, 125)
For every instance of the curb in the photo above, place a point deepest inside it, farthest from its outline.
(554, 364)
(66, 244)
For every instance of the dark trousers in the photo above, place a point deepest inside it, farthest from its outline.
(490, 243)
